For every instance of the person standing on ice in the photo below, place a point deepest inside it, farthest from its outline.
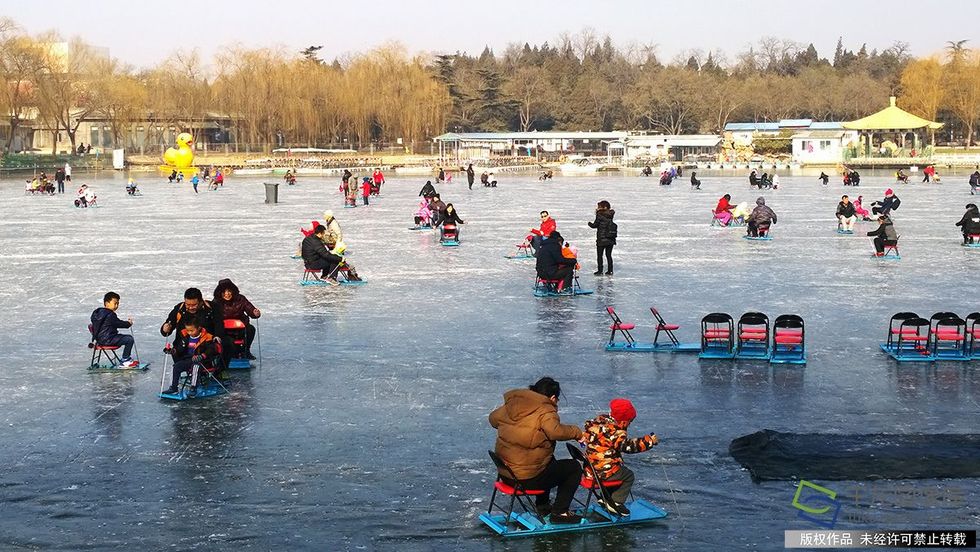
(527, 428)
(470, 175)
(379, 178)
(605, 235)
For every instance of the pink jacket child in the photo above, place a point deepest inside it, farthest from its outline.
(423, 215)
(859, 209)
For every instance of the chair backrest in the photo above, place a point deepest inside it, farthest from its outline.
(577, 454)
(971, 320)
(793, 321)
(898, 318)
(234, 324)
(615, 317)
(942, 315)
(717, 318)
(753, 319)
(914, 324)
(502, 467)
(954, 322)
(656, 314)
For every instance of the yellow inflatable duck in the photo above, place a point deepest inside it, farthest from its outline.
(182, 156)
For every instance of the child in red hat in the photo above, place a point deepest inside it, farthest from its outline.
(605, 440)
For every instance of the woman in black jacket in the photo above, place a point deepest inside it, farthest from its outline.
(970, 223)
(605, 234)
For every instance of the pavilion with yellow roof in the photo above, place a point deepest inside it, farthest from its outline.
(896, 122)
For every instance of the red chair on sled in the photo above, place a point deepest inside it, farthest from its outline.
(788, 340)
(717, 340)
(914, 336)
(594, 485)
(619, 326)
(972, 333)
(753, 335)
(516, 491)
(236, 330)
(895, 327)
(449, 233)
(663, 326)
(109, 351)
(948, 332)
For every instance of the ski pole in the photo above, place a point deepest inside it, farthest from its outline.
(258, 337)
(163, 376)
(135, 348)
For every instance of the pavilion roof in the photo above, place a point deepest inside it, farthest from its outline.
(891, 118)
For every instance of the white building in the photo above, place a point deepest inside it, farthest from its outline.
(673, 147)
(822, 146)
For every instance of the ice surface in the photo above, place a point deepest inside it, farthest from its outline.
(365, 428)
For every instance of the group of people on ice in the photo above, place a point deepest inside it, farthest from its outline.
(198, 327)
(323, 249)
(369, 186)
(528, 427)
(765, 181)
(558, 260)
(435, 213)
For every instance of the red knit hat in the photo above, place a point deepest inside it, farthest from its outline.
(622, 410)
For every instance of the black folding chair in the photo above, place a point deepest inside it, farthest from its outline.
(895, 325)
(513, 488)
(591, 482)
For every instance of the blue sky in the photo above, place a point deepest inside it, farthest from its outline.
(143, 33)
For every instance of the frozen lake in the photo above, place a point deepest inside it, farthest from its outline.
(366, 429)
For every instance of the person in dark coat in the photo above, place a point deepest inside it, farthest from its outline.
(316, 256)
(470, 175)
(441, 177)
(754, 179)
(974, 182)
(347, 174)
(970, 223)
(761, 218)
(824, 178)
(59, 176)
(605, 235)
(551, 265)
(105, 327)
(884, 235)
(449, 220)
(887, 205)
(230, 304)
(195, 345)
(695, 183)
(193, 306)
(846, 214)
(428, 190)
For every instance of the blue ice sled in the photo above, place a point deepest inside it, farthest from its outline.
(185, 392)
(449, 243)
(239, 364)
(758, 238)
(422, 228)
(842, 231)
(716, 352)
(524, 524)
(324, 283)
(548, 288)
(637, 347)
(909, 354)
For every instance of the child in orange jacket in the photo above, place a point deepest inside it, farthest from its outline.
(605, 440)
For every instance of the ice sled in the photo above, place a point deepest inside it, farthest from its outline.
(767, 237)
(312, 278)
(633, 346)
(552, 288)
(523, 522)
(908, 338)
(200, 383)
(523, 252)
(421, 228)
(842, 231)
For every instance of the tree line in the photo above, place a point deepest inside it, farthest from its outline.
(582, 82)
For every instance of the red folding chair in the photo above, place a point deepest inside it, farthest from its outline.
(620, 326)
(663, 326)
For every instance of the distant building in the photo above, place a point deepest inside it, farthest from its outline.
(744, 133)
(822, 146)
(673, 147)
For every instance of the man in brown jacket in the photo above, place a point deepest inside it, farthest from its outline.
(527, 427)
